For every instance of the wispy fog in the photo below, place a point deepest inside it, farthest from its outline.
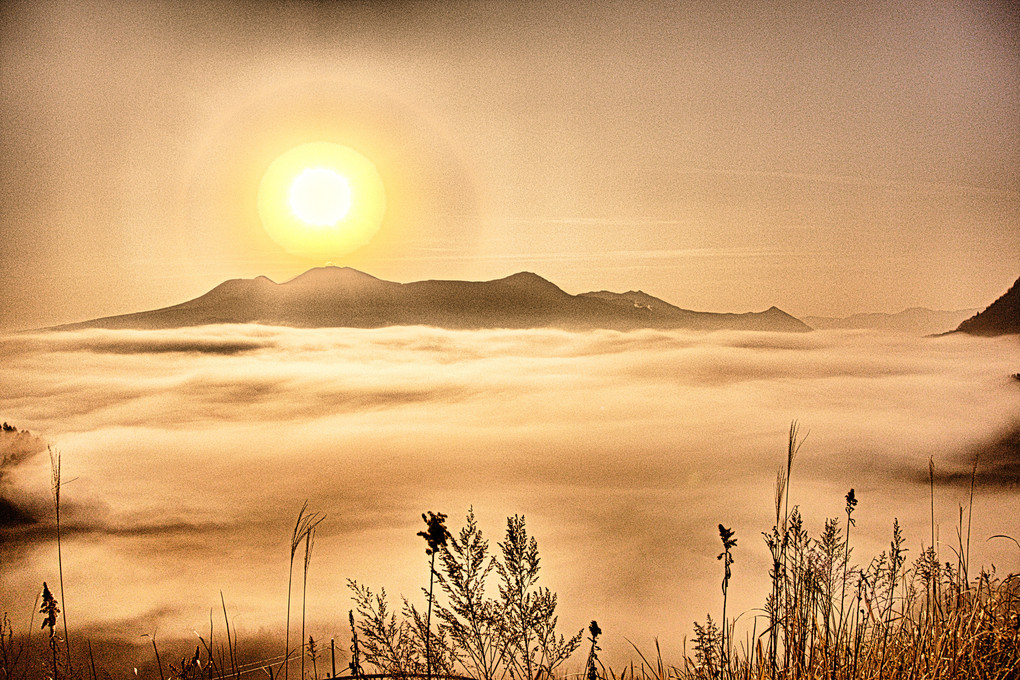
(187, 454)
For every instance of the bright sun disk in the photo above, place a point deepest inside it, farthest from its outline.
(320, 196)
(321, 200)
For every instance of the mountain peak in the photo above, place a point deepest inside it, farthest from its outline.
(331, 274)
(1002, 317)
(527, 277)
(243, 286)
(531, 283)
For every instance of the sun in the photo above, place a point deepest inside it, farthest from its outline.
(321, 200)
(320, 197)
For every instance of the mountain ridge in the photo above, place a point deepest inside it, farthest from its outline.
(913, 320)
(346, 297)
(1002, 317)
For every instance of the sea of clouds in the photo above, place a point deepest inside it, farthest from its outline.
(187, 454)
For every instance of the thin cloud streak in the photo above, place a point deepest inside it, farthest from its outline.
(859, 181)
(578, 256)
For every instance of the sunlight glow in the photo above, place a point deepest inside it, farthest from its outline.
(321, 200)
(320, 196)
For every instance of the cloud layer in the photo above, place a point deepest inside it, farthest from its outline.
(190, 452)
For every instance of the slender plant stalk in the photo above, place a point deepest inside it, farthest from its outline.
(851, 503)
(355, 664)
(159, 663)
(777, 563)
(92, 660)
(428, 617)
(793, 446)
(313, 652)
(304, 590)
(309, 542)
(304, 524)
(436, 536)
(231, 646)
(590, 670)
(970, 513)
(729, 542)
(935, 606)
(50, 608)
(209, 648)
(294, 542)
(55, 472)
(857, 632)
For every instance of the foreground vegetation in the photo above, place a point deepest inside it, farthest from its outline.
(826, 617)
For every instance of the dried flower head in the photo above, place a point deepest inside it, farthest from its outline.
(727, 539)
(49, 609)
(435, 534)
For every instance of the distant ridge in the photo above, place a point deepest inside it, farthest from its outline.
(915, 321)
(345, 297)
(772, 318)
(1002, 317)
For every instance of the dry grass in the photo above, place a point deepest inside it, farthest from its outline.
(825, 616)
(828, 619)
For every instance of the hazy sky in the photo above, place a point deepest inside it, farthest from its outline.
(823, 157)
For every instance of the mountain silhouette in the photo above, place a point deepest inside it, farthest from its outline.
(1002, 317)
(915, 321)
(344, 297)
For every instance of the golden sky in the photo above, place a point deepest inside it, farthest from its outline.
(823, 157)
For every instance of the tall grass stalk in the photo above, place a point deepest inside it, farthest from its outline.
(50, 609)
(305, 521)
(934, 608)
(436, 536)
(208, 645)
(309, 543)
(313, 652)
(729, 542)
(778, 541)
(231, 644)
(159, 663)
(92, 660)
(55, 487)
(590, 667)
(794, 442)
(355, 663)
(851, 503)
(970, 515)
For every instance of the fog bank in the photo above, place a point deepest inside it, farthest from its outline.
(187, 454)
